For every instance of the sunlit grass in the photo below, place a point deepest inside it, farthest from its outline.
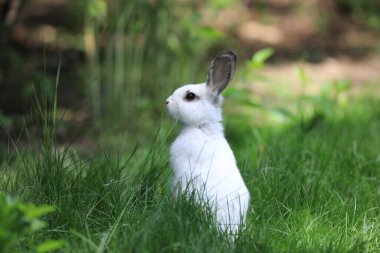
(313, 189)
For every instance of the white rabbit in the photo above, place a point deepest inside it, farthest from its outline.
(200, 156)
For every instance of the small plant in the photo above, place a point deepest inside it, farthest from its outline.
(331, 97)
(241, 95)
(304, 109)
(20, 221)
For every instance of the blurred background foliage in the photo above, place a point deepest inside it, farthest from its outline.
(90, 77)
(115, 62)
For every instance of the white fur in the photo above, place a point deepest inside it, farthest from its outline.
(201, 157)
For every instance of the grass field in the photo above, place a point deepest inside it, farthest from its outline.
(315, 187)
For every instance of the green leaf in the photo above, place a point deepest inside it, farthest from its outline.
(37, 225)
(343, 85)
(284, 112)
(50, 245)
(33, 211)
(97, 9)
(302, 75)
(210, 33)
(251, 103)
(261, 56)
(221, 4)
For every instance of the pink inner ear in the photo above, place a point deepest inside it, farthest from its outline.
(220, 73)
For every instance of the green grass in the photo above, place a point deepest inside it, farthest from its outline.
(314, 189)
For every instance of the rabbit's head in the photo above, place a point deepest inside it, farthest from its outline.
(198, 104)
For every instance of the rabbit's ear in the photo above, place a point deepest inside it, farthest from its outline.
(220, 72)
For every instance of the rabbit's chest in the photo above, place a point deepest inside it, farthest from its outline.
(192, 150)
(195, 155)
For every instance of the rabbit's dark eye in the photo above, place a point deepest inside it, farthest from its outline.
(190, 96)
